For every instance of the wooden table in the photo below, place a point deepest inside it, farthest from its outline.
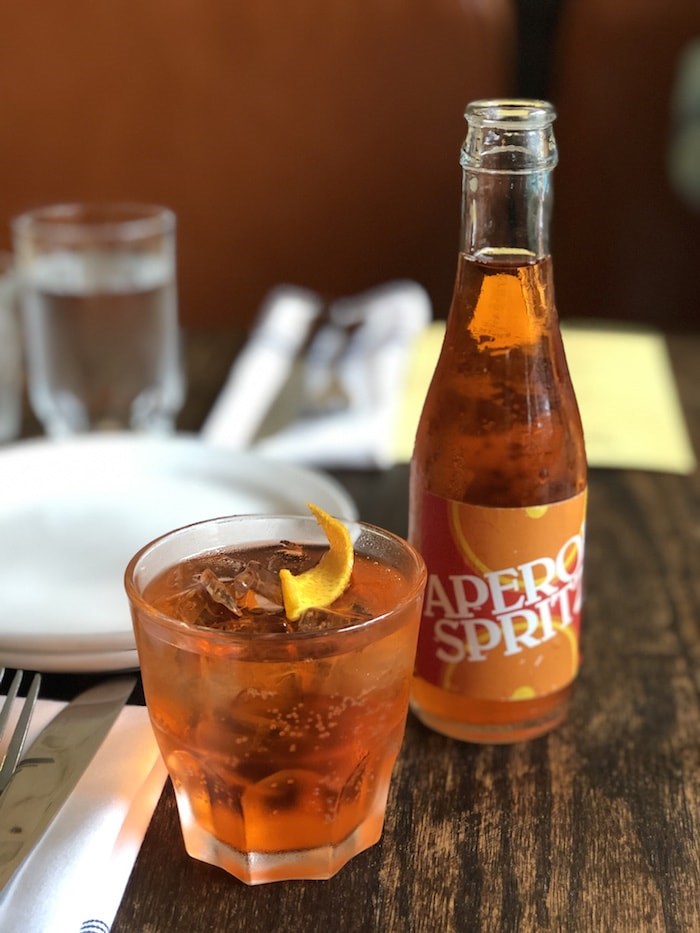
(595, 827)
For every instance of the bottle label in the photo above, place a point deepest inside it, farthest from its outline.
(502, 610)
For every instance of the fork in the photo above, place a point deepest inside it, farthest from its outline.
(16, 744)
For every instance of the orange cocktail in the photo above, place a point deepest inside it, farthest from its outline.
(280, 737)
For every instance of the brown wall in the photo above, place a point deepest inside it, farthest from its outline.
(314, 143)
(627, 241)
(317, 142)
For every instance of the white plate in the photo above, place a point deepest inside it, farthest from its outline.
(72, 514)
(62, 661)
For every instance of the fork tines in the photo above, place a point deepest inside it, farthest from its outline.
(16, 744)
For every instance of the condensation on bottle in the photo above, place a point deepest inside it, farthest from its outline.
(498, 474)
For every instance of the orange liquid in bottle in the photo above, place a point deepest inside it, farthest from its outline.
(500, 429)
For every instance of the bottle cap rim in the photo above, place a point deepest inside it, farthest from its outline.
(511, 113)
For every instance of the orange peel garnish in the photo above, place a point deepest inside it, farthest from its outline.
(321, 585)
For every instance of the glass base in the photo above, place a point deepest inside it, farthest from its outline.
(61, 429)
(262, 867)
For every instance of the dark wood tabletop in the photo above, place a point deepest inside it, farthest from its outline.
(595, 827)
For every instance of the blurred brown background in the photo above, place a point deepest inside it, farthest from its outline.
(317, 143)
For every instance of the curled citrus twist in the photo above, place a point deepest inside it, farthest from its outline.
(321, 585)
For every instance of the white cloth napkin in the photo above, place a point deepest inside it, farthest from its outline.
(321, 385)
(74, 879)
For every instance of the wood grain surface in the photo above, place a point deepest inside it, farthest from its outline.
(592, 828)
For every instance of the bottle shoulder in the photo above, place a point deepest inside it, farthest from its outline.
(505, 445)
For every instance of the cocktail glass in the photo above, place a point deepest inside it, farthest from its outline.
(280, 745)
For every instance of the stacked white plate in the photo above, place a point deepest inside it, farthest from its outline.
(73, 513)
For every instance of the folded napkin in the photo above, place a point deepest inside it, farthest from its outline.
(74, 879)
(321, 385)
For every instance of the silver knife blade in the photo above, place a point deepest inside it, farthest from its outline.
(51, 768)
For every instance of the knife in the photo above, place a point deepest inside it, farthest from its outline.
(51, 768)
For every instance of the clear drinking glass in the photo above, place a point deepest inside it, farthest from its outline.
(10, 354)
(280, 744)
(99, 302)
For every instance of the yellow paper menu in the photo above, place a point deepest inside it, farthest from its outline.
(624, 383)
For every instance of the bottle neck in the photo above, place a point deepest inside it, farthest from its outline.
(506, 217)
(507, 161)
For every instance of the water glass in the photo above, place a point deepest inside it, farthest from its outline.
(10, 355)
(99, 303)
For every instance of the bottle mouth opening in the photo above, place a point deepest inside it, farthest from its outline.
(509, 136)
(511, 113)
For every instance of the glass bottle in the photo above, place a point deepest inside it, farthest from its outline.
(498, 475)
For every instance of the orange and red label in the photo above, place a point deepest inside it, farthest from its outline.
(502, 610)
